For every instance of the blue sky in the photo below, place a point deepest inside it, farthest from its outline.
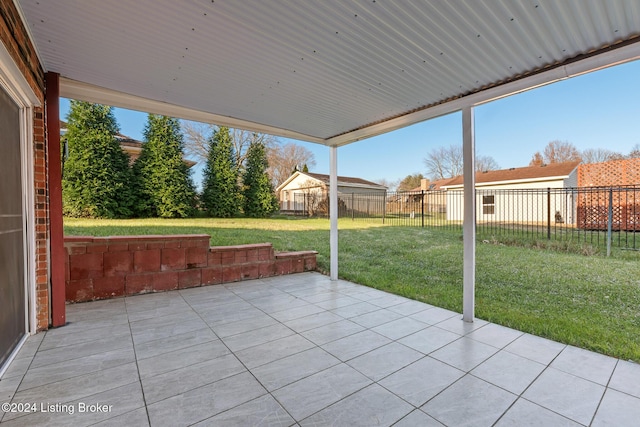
(596, 110)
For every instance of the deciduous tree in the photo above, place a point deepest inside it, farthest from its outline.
(597, 155)
(635, 152)
(97, 180)
(561, 151)
(537, 159)
(197, 137)
(391, 185)
(486, 163)
(286, 158)
(410, 182)
(557, 152)
(447, 162)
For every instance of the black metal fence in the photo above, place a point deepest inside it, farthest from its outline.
(599, 216)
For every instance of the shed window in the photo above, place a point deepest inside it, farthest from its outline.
(488, 205)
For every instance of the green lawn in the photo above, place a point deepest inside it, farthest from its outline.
(587, 301)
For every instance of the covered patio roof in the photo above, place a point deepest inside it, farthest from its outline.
(329, 72)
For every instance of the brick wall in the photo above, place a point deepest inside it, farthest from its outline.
(108, 267)
(592, 204)
(14, 37)
(611, 173)
(41, 213)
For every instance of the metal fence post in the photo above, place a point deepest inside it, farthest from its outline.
(422, 200)
(609, 222)
(548, 213)
(384, 206)
(353, 208)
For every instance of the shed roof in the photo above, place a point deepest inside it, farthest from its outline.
(528, 173)
(330, 71)
(343, 181)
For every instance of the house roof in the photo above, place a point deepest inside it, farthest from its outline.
(528, 173)
(123, 139)
(131, 146)
(344, 181)
(434, 185)
(331, 72)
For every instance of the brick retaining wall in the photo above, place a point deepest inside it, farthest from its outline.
(108, 267)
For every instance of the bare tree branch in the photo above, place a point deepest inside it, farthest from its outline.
(195, 139)
(486, 163)
(197, 145)
(391, 185)
(447, 162)
(597, 155)
(556, 152)
(242, 139)
(560, 151)
(284, 158)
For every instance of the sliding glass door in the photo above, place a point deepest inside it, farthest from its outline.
(12, 233)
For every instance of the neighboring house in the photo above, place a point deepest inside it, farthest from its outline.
(129, 145)
(517, 194)
(433, 195)
(307, 193)
(559, 193)
(622, 177)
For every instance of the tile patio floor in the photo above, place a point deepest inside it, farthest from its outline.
(302, 350)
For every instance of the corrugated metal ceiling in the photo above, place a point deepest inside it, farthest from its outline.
(317, 69)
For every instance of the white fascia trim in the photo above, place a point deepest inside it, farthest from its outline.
(513, 181)
(14, 82)
(370, 187)
(606, 59)
(291, 178)
(302, 189)
(74, 89)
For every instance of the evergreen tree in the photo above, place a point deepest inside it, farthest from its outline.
(220, 194)
(305, 168)
(97, 179)
(163, 178)
(259, 201)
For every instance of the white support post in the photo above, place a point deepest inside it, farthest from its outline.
(469, 224)
(333, 211)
